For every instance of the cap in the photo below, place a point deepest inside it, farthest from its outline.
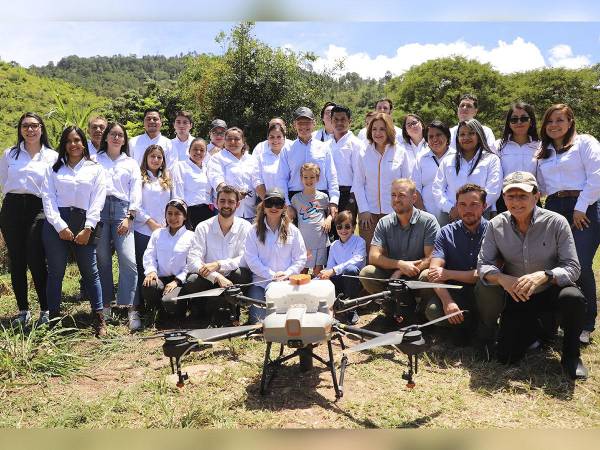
(218, 123)
(275, 193)
(303, 111)
(519, 180)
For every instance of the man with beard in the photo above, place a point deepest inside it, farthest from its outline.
(454, 261)
(152, 136)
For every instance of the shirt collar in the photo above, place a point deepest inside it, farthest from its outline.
(178, 233)
(480, 228)
(413, 218)
(536, 213)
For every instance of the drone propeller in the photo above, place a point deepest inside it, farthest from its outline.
(214, 292)
(215, 334)
(411, 284)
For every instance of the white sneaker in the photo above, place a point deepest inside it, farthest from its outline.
(44, 318)
(135, 322)
(107, 312)
(585, 337)
(22, 319)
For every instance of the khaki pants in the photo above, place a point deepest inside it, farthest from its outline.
(373, 286)
(367, 235)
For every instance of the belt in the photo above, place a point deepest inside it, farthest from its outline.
(345, 188)
(568, 193)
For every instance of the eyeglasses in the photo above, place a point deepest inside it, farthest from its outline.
(218, 133)
(116, 135)
(233, 138)
(33, 126)
(412, 124)
(278, 203)
(522, 119)
(343, 226)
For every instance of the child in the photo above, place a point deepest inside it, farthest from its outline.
(311, 209)
(346, 257)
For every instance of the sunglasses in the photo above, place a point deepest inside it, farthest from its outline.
(343, 226)
(522, 119)
(274, 203)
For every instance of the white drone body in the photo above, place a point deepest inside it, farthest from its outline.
(299, 315)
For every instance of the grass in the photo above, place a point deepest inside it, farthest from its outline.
(71, 379)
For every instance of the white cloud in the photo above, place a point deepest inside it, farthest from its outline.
(515, 56)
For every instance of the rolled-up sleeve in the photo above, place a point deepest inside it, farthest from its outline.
(488, 255)
(50, 203)
(98, 197)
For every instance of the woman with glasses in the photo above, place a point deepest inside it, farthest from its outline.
(123, 199)
(234, 166)
(519, 143)
(274, 248)
(412, 139)
(569, 174)
(22, 171)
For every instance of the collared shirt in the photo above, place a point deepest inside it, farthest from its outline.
(181, 148)
(424, 173)
(322, 135)
(268, 164)
(575, 169)
(372, 184)
(212, 149)
(362, 135)
(123, 178)
(518, 158)
(406, 243)
(24, 174)
(458, 246)
(154, 202)
(166, 254)
(291, 160)
(210, 245)
(264, 145)
(487, 174)
(412, 152)
(242, 173)
(548, 244)
(346, 153)
(343, 254)
(489, 137)
(83, 186)
(190, 182)
(139, 144)
(272, 256)
(92, 149)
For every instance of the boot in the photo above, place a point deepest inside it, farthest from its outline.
(99, 324)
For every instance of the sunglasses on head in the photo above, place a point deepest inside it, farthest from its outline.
(521, 119)
(343, 226)
(278, 203)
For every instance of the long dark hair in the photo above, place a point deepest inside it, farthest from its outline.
(16, 150)
(546, 140)
(531, 131)
(181, 206)
(62, 147)
(261, 227)
(405, 134)
(482, 145)
(104, 140)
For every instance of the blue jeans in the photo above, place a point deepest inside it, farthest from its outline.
(113, 213)
(256, 313)
(141, 242)
(350, 287)
(586, 244)
(57, 254)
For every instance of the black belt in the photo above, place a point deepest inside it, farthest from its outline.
(567, 193)
(345, 188)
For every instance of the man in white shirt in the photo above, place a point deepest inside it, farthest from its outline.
(326, 133)
(467, 109)
(182, 140)
(96, 127)
(362, 134)
(139, 144)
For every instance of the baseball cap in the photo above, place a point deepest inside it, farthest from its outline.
(303, 111)
(519, 180)
(274, 193)
(218, 123)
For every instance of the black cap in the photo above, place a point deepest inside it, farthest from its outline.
(303, 111)
(218, 123)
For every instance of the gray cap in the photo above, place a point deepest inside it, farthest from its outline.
(519, 180)
(303, 111)
(217, 123)
(275, 193)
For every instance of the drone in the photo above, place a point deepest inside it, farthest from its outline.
(300, 316)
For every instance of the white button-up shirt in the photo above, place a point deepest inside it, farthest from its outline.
(412, 152)
(242, 174)
(154, 202)
(423, 175)
(576, 169)
(489, 137)
(190, 182)
(291, 160)
(166, 254)
(344, 254)
(515, 157)
(264, 145)
(272, 256)
(139, 144)
(123, 178)
(92, 149)
(210, 245)
(181, 148)
(82, 186)
(24, 174)
(487, 174)
(268, 165)
(372, 185)
(322, 135)
(346, 153)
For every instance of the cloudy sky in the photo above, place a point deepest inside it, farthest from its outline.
(371, 37)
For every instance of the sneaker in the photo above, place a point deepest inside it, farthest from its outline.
(22, 319)
(135, 322)
(107, 313)
(44, 318)
(585, 337)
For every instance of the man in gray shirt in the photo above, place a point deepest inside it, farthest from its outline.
(538, 276)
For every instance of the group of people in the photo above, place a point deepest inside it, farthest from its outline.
(185, 215)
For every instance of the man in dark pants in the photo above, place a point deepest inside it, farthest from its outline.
(539, 273)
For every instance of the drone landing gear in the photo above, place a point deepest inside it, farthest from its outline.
(181, 376)
(413, 367)
(306, 356)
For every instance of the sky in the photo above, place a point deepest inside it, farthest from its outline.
(370, 37)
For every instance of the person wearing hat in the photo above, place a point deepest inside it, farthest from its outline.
(274, 248)
(303, 150)
(218, 127)
(538, 275)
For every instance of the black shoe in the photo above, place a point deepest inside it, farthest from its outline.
(574, 367)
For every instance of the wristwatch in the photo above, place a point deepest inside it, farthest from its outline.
(130, 216)
(549, 274)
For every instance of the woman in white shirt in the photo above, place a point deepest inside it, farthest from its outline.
(274, 248)
(380, 163)
(268, 158)
(73, 195)
(165, 258)
(412, 139)
(569, 174)
(123, 199)
(473, 162)
(519, 143)
(22, 171)
(190, 183)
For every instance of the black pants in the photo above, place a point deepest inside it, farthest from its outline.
(154, 294)
(524, 322)
(199, 213)
(21, 221)
(347, 203)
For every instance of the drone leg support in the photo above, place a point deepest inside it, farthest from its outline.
(266, 364)
(338, 390)
(181, 377)
(408, 375)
